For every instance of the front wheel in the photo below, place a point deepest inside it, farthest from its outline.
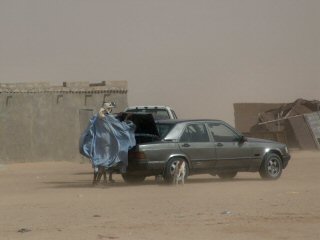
(133, 178)
(271, 167)
(170, 170)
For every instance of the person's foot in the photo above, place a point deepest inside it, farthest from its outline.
(112, 181)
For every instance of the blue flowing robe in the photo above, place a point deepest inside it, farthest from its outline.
(106, 142)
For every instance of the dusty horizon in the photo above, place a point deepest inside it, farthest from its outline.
(185, 54)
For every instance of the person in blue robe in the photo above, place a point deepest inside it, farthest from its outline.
(106, 141)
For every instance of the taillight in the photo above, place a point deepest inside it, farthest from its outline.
(137, 155)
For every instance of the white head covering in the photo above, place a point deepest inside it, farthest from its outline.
(107, 105)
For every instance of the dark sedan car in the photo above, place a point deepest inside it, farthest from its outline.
(207, 146)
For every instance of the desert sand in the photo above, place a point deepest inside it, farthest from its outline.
(55, 200)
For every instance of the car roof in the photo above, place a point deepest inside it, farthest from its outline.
(146, 107)
(174, 121)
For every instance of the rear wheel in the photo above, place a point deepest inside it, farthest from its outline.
(133, 178)
(170, 169)
(271, 167)
(227, 175)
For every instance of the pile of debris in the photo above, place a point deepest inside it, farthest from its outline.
(299, 121)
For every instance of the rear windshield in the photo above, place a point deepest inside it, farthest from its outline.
(164, 129)
(157, 114)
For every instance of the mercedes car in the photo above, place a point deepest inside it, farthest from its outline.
(206, 146)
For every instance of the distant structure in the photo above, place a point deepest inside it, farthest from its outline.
(296, 124)
(246, 115)
(40, 122)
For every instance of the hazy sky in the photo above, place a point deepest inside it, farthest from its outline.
(198, 56)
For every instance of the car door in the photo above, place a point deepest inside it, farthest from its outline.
(196, 144)
(230, 152)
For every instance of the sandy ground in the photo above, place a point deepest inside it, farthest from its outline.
(55, 200)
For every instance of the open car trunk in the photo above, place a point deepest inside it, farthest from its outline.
(146, 129)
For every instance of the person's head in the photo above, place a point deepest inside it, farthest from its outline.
(108, 106)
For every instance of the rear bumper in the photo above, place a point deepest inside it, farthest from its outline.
(145, 167)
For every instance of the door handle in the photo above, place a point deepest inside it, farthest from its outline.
(186, 145)
(219, 144)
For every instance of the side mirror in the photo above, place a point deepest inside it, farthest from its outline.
(242, 139)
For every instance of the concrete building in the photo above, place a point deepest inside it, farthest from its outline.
(40, 122)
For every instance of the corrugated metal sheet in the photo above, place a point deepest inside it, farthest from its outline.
(313, 120)
(302, 133)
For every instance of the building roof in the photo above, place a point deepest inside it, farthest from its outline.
(67, 87)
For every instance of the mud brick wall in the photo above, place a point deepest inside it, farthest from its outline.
(39, 122)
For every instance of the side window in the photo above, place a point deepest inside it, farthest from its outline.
(221, 133)
(195, 133)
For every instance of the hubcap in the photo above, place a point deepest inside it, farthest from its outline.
(273, 167)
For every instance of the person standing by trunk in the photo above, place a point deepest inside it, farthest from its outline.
(106, 142)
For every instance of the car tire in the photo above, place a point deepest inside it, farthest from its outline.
(271, 167)
(227, 175)
(170, 167)
(128, 178)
